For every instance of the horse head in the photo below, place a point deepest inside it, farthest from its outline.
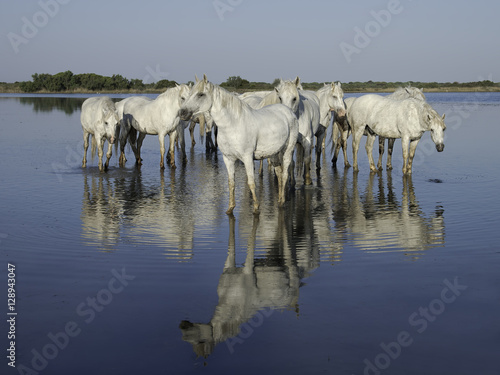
(288, 94)
(437, 126)
(198, 100)
(336, 99)
(183, 92)
(110, 121)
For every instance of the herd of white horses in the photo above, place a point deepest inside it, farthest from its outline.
(271, 125)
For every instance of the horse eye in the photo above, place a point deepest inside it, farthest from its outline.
(294, 100)
(200, 95)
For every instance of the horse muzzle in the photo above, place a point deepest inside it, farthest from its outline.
(112, 140)
(185, 114)
(341, 112)
(440, 147)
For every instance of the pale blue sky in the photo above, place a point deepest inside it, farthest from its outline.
(317, 40)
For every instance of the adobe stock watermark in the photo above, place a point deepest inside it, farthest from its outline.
(74, 157)
(31, 25)
(86, 311)
(248, 328)
(223, 6)
(372, 29)
(154, 75)
(419, 321)
(454, 120)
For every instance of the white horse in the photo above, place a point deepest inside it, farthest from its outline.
(407, 119)
(99, 118)
(306, 106)
(331, 98)
(341, 129)
(155, 117)
(246, 134)
(400, 94)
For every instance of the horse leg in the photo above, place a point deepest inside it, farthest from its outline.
(390, 146)
(86, 136)
(405, 146)
(381, 142)
(108, 155)
(191, 132)
(215, 137)
(100, 151)
(249, 167)
(123, 142)
(171, 149)
(137, 152)
(369, 150)
(356, 138)
(229, 162)
(182, 140)
(335, 140)
(320, 139)
(344, 136)
(307, 162)
(413, 147)
(261, 167)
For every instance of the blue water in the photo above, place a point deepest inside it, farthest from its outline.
(140, 271)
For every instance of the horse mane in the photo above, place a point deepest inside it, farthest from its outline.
(228, 100)
(171, 92)
(108, 105)
(407, 92)
(271, 98)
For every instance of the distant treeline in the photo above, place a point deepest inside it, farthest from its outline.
(90, 82)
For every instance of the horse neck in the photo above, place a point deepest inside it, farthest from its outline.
(169, 97)
(423, 109)
(226, 108)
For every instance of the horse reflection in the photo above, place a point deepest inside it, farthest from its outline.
(102, 210)
(158, 213)
(261, 283)
(379, 223)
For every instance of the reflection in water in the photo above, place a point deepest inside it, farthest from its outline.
(379, 223)
(270, 282)
(102, 210)
(48, 104)
(284, 246)
(158, 213)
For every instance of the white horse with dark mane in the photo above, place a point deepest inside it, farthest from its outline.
(99, 119)
(407, 119)
(246, 134)
(156, 117)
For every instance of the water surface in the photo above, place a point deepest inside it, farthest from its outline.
(359, 273)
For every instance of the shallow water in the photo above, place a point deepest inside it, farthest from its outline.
(141, 271)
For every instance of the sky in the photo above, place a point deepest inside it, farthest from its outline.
(259, 40)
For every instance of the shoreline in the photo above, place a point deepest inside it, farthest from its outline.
(159, 91)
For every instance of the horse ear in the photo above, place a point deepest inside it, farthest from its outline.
(297, 81)
(177, 85)
(205, 79)
(196, 78)
(444, 114)
(339, 85)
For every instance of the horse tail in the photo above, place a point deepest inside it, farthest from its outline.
(300, 156)
(202, 128)
(132, 136)
(335, 135)
(117, 136)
